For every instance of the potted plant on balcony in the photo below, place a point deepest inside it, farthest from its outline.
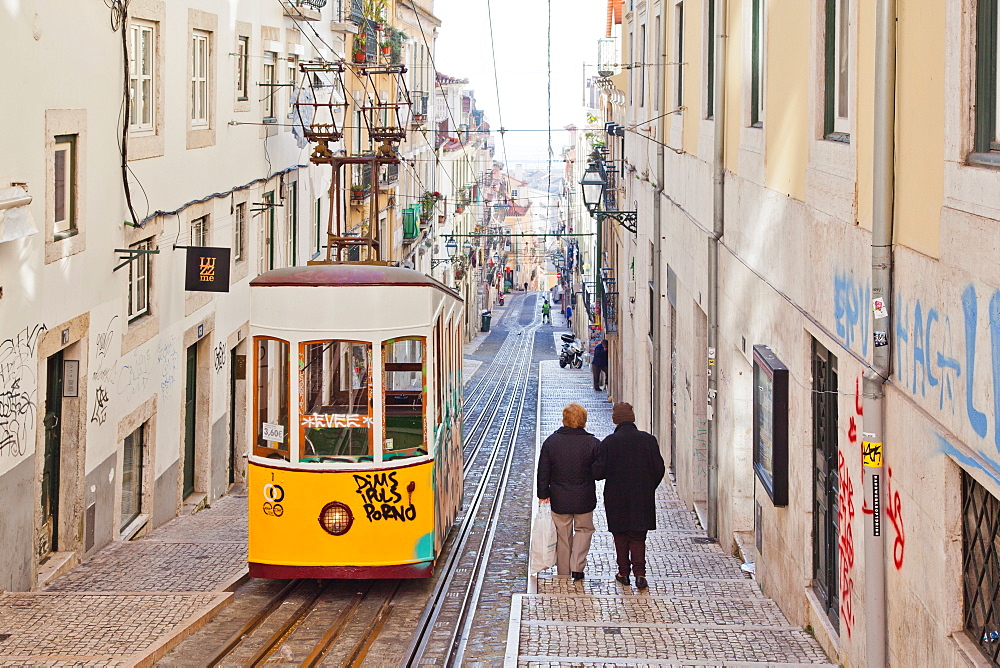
(358, 52)
(357, 191)
(386, 48)
(374, 11)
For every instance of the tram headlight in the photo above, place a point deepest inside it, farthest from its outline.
(336, 518)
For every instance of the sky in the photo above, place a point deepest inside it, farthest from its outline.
(520, 30)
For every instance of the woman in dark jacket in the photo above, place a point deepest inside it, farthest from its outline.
(565, 477)
(630, 462)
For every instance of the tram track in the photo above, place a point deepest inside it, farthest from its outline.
(456, 593)
(295, 627)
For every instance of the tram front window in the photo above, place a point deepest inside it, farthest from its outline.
(335, 401)
(404, 387)
(271, 398)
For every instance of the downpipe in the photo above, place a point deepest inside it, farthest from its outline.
(718, 228)
(657, 306)
(873, 389)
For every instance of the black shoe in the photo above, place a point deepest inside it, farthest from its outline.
(577, 575)
(640, 583)
(623, 579)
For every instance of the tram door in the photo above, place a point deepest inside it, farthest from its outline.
(49, 536)
(190, 413)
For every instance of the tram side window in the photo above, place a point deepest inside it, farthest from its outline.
(439, 370)
(335, 401)
(405, 389)
(271, 398)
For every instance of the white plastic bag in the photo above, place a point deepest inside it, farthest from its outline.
(543, 540)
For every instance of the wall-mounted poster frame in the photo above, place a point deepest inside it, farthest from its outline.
(770, 424)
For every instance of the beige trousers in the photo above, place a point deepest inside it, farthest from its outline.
(573, 534)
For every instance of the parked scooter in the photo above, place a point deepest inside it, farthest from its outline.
(571, 353)
(500, 299)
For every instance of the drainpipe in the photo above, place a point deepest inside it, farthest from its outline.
(878, 373)
(718, 227)
(658, 288)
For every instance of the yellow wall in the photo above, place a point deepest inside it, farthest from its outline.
(920, 125)
(786, 107)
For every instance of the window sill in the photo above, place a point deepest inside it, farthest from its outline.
(242, 99)
(991, 159)
(842, 137)
(270, 120)
(60, 236)
(132, 528)
(759, 125)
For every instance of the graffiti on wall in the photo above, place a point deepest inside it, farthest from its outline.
(941, 353)
(104, 372)
(167, 357)
(845, 514)
(700, 441)
(18, 387)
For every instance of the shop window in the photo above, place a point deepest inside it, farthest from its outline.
(271, 378)
(335, 402)
(404, 388)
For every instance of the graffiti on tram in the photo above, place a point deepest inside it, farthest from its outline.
(383, 499)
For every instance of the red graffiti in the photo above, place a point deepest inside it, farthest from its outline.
(845, 522)
(894, 511)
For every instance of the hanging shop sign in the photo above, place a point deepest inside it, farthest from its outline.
(770, 424)
(207, 269)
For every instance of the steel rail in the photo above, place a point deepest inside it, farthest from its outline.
(255, 621)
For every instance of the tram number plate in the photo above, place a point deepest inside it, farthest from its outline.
(273, 432)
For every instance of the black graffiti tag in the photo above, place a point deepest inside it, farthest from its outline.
(220, 357)
(382, 498)
(17, 390)
(101, 399)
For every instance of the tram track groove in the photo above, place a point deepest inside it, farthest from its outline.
(498, 464)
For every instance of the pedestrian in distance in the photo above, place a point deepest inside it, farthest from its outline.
(546, 310)
(630, 463)
(599, 365)
(569, 317)
(525, 287)
(566, 480)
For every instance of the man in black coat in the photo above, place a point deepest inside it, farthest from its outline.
(630, 462)
(599, 364)
(565, 478)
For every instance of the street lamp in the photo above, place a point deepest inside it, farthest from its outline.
(593, 185)
(451, 246)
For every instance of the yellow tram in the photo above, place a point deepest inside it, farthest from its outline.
(356, 467)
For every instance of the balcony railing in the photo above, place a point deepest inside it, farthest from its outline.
(390, 174)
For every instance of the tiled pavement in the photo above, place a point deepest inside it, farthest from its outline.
(133, 600)
(700, 608)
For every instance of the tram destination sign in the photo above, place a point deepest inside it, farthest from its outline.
(207, 269)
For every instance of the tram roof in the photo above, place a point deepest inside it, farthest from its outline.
(348, 275)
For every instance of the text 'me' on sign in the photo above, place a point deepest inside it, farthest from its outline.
(207, 269)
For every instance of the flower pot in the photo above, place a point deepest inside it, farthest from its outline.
(386, 50)
(359, 56)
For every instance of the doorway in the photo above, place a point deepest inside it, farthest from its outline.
(49, 531)
(190, 419)
(237, 410)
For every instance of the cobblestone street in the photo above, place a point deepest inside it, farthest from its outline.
(133, 601)
(700, 609)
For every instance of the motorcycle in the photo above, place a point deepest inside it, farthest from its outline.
(500, 299)
(572, 352)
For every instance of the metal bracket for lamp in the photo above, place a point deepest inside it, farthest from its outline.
(129, 255)
(442, 260)
(627, 219)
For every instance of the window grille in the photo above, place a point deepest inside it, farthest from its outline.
(981, 566)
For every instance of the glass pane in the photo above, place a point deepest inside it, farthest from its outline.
(146, 52)
(271, 398)
(147, 99)
(405, 390)
(335, 401)
(843, 23)
(61, 183)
